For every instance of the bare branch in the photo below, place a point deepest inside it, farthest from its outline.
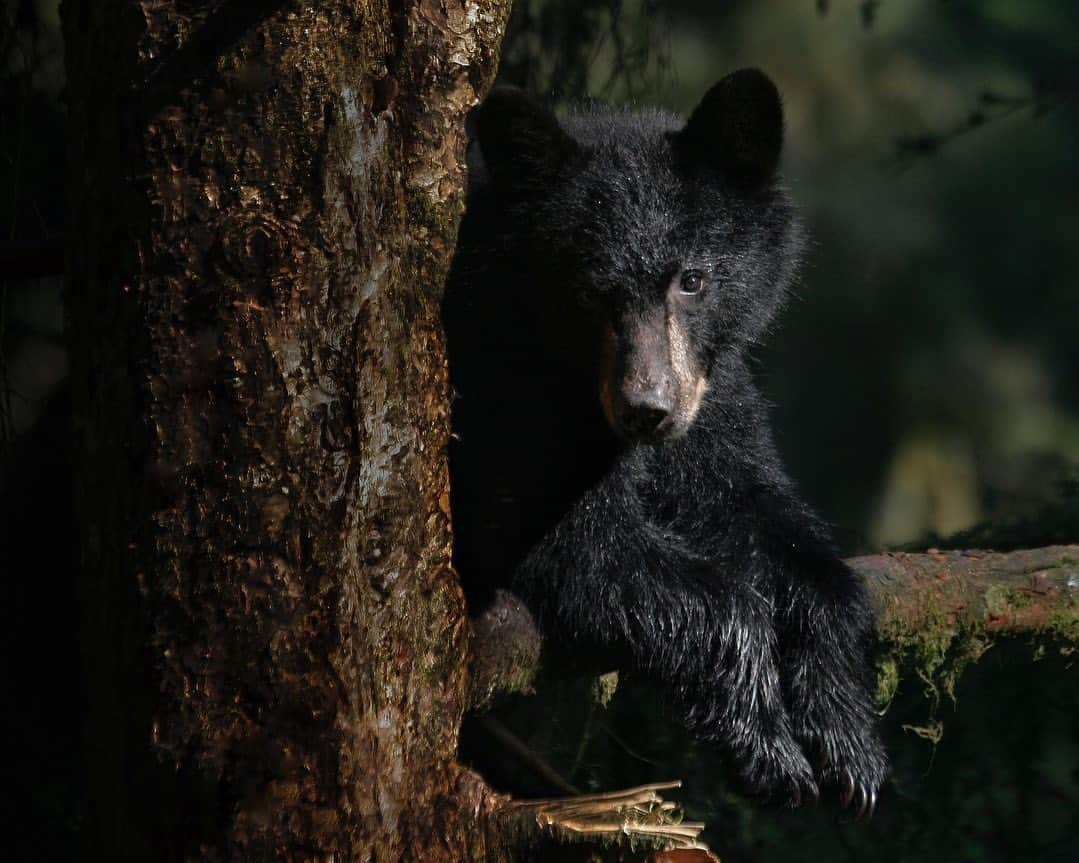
(633, 818)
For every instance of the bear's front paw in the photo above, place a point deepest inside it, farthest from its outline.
(776, 770)
(851, 763)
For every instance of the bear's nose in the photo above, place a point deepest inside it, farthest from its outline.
(647, 408)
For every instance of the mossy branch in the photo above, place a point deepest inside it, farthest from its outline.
(939, 611)
(1030, 592)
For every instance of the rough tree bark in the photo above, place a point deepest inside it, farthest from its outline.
(266, 197)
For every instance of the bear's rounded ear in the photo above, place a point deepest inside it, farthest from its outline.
(737, 128)
(522, 143)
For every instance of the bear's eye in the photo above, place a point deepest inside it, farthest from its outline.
(691, 283)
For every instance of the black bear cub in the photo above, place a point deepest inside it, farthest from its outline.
(613, 464)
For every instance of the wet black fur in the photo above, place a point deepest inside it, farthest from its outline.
(690, 558)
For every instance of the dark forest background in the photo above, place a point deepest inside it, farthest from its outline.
(925, 376)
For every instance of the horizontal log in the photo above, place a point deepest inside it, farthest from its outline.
(1034, 591)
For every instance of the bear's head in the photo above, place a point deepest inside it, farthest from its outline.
(663, 247)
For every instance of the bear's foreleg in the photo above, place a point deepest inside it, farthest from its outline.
(605, 578)
(825, 626)
(826, 640)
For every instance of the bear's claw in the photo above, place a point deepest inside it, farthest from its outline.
(848, 789)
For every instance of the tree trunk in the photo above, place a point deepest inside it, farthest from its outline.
(266, 198)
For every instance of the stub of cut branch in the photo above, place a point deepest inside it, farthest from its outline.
(505, 651)
(638, 817)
